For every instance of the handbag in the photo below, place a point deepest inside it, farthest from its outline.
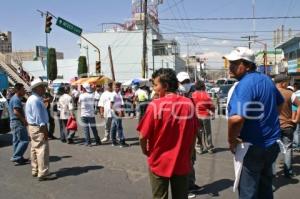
(72, 124)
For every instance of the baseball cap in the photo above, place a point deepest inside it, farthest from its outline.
(182, 76)
(241, 53)
(87, 87)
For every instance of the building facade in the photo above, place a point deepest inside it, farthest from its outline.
(6, 44)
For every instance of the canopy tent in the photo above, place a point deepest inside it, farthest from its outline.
(93, 80)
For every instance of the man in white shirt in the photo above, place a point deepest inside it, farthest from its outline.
(65, 107)
(117, 105)
(87, 111)
(106, 111)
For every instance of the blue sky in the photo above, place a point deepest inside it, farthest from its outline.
(27, 26)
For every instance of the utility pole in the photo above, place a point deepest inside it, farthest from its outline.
(111, 64)
(249, 37)
(144, 63)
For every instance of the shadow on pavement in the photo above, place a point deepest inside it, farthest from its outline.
(5, 140)
(58, 158)
(133, 140)
(219, 150)
(280, 180)
(76, 171)
(214, 188)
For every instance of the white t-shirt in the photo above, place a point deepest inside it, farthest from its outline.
(75, 93)
(117, 101)
(97, 95)
(86, 101)
(105, 102)
(65, 106)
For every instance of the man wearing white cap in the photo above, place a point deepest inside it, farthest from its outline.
(253, 118)
(37, 118)
(87, 111)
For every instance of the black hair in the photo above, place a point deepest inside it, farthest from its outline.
(118, 84)
(250, 65)
(167, 77)
(200, 85)
(18, 86)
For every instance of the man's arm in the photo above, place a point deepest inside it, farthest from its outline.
(297, 103)
(20, 116)
(235, 124)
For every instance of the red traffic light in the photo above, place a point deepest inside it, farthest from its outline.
(48, 24)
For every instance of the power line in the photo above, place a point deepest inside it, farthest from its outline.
(229, 18)
(217, 32)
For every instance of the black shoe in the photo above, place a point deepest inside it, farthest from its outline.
(70, 141)
(194, 188)
(22, 161)
(114, 143)
(289, 175)
(52, 137)
(34, 175)
(63, 141)
(124, 144)
(88, 144)
(47, 177)
(98, 143)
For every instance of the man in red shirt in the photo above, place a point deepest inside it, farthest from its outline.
(167, 136)
(205, 109)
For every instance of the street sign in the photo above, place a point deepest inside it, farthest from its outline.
(68, 26)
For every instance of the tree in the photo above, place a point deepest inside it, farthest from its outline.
(51, 64)
(82, 67)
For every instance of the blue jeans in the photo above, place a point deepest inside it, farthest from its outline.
(87, 123)
(20, 139)
(287, 139)
(116, 125)
(256, 176)
(297, 137)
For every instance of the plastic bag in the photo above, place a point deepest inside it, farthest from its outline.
(72, 124)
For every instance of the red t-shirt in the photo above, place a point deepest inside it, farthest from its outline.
(203, 104)
(170, 125)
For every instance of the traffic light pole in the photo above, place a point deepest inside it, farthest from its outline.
(47, 56)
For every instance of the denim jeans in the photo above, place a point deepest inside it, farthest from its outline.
(256, 176)
(287, 139)
(204, 135)
(116, 125)
(87, 123)
(297, 137)
(20, 139)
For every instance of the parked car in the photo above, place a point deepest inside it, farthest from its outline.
(222, 98)
(4, 115)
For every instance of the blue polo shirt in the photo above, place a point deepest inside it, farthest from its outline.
(256, 99)
(15, 103)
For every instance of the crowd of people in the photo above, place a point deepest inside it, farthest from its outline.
(174, 124)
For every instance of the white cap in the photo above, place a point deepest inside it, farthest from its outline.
(37, 82)
(291, 88)
(241, 53)
(87, 87)
(183, 76)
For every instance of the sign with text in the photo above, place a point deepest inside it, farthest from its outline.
(68, 26)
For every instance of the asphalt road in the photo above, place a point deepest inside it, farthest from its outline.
(121, 173)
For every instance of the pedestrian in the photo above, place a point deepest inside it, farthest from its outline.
(141, 97)
(205, 110)
(48, 99)
(75, 95)
(167, 137)
(65, 105)
(105, 110)
(87, 111)
(296, 143)
(97, 95)
(287, 123)
(253, 118)
(117, 106)
(129, 102)
(37, 118)
(186, 88)
(18, 125)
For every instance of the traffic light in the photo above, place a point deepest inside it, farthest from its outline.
(48, 23)
(98, 67)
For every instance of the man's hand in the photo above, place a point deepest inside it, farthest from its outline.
(44, 130)
(233, 144)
